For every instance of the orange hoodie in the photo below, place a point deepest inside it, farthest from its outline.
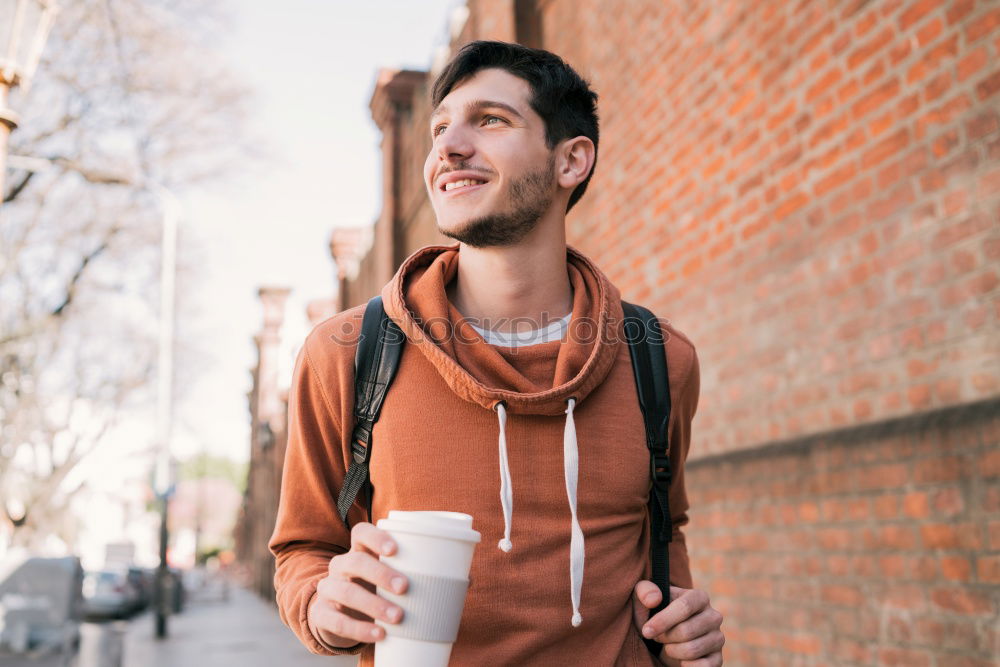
(492, 432)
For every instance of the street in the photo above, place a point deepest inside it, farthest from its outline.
(218, 628)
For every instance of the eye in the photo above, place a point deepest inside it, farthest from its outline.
(487, 119)
(438, 129)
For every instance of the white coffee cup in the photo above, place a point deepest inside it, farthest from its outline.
(434, 552)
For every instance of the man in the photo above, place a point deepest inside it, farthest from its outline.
(514, 144)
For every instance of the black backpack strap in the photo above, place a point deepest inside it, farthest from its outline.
(379, 348)
(649, 364)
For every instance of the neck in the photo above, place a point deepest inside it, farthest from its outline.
(519, 287)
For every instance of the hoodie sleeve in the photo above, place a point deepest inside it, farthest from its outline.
(308, 531)
(685, 404)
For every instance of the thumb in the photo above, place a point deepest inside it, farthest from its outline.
(647, 594)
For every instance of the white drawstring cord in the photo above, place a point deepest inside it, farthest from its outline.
(571, 465)
(506, 493)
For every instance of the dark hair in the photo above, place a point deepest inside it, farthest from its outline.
(560, 96)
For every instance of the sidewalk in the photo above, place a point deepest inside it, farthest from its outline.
(216, 631)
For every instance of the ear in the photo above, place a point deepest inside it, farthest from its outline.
(575, 159)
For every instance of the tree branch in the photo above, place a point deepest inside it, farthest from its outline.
(16, 190)
(92, 175)
(75, 280)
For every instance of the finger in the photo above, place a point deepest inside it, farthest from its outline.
(700, 624)
(696, 648)
(328, 619)
(684, 606)
(647, 593)
(365, 567)
(640, 613)
(351, 596)
(366, 537)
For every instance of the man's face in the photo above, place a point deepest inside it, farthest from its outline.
(489, 174)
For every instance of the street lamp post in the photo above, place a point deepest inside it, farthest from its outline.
(24, 27)
(165, 371)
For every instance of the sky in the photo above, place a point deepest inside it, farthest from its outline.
(311, 66)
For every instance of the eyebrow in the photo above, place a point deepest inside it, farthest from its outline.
(479, 105)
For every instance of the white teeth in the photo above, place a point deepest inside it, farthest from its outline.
(461, 184)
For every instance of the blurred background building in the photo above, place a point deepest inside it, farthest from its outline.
(811, 192)
(268, 405)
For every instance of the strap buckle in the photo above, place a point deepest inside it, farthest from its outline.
(362, 438)
(660, 471)
(360, 452)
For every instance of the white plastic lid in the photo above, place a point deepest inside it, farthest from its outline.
(452, 525)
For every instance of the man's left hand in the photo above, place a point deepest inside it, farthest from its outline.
(689, 628)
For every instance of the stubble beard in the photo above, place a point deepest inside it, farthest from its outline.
(530, 196)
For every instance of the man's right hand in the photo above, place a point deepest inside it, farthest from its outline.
(345, 605)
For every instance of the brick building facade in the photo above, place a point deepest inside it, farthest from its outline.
(268, 406)
(268, 409)
(811, 191)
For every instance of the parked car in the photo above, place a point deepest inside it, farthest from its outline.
(108, 594)
(178, 591)
(144, 582)
(40, 604)
(173, 588)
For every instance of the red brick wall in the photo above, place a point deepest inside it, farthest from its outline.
(875, 546)
(809, 189)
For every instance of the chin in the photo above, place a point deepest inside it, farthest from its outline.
(452, 228)
(452, 221)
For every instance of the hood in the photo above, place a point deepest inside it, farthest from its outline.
(416, 299)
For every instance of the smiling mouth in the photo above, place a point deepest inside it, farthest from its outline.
(464, 183)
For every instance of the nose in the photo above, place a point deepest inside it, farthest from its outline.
(454, 144)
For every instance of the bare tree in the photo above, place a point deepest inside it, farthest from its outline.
(129, 94)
